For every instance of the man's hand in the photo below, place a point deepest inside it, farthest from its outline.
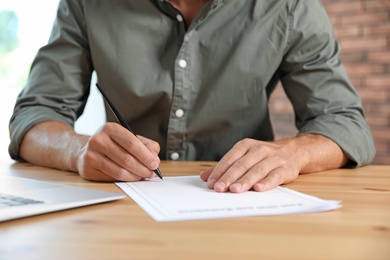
(112, 154)
(258, 165)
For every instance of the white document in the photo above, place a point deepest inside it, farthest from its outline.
(188, 198)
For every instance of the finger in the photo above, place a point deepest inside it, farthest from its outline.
(253, 155)
(255, 174)
(101, 168)
(132, 145)
(235, 172)
(205, 174)
(272, 180)
(107, 148)
(224, 164)
(132, 165)
(89, 172)
(151, 144)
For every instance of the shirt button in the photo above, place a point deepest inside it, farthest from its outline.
(175, 156)
(179, 113)
(183, 63)
(179, 18)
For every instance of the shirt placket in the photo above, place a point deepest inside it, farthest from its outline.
(177, 126)
(178, 114)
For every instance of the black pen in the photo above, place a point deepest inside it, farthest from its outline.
(122, 121)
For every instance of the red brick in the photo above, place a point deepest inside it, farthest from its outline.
(357, 82)
(382, 134)
(376, 4)
(379, 81)
(348, 31)
(378, 29)
(365, 18)
(381, 148)
(335, 20)
(343, 7)
(366, 43)
(376, 122)
(368, 94)
(381, 56)
(358, 56)
(359, 69)
(379, 109)
(379, 159)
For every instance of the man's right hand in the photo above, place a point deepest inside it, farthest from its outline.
(112, 154)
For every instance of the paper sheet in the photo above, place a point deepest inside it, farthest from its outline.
(188, 198)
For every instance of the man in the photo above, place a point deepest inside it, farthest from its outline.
(193, 78)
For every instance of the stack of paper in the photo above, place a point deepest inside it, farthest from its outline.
(188, 198)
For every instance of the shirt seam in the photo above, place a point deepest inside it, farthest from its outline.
(290, 26)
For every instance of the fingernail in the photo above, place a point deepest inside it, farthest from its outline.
(210, 183)
(236, 187)
(154, 165)
(260, 186)
(220, 186)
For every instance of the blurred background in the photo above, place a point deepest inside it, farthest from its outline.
(361, 26)
(25, 26)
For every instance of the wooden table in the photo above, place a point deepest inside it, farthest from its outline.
(122, 230)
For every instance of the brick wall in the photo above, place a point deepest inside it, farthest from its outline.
(363, 30)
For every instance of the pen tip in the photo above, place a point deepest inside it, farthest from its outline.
(158, 173)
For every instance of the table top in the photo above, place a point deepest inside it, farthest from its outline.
(122, 230)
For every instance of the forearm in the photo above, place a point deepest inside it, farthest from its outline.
(53, 144)
(315, 152)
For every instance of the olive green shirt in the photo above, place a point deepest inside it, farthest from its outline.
(196, 89)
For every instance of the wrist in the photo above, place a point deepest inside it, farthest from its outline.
(77, 147)
(297, 148)
(315, 152)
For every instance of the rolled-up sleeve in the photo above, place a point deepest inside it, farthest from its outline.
(59, 79)
(314, 79)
